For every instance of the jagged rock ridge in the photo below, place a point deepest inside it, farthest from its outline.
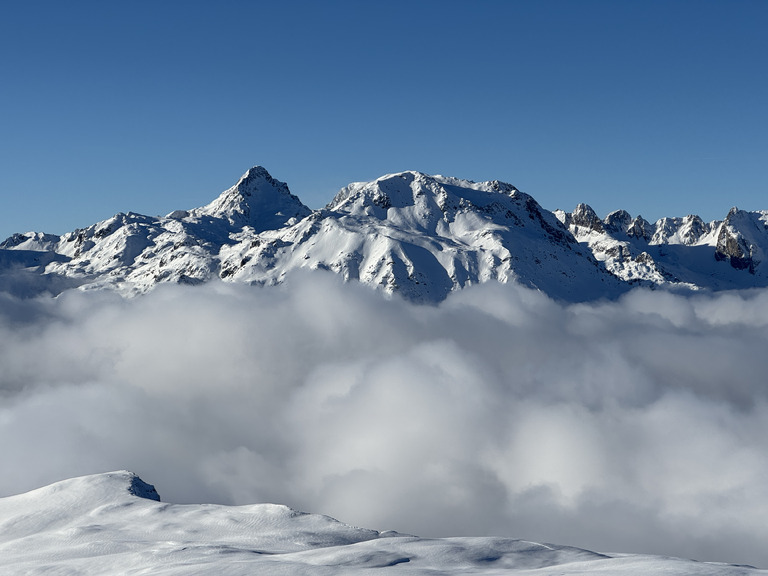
(676, 251)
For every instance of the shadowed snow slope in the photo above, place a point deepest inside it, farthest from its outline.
(115, 524)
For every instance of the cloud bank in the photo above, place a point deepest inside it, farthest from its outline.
(639, 425)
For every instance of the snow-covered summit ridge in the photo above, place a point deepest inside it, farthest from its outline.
(93, 488)
(410, 188)
(426, 204)
(410, 233)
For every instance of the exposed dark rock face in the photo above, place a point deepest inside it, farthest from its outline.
(696, 228)
(617, 221)
(640, 228)
(732, 246)
(586, 217)
(142, 489)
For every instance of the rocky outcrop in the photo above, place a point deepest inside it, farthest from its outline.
(677, 251)
(641, 229)
(585, 217)
(733, 241)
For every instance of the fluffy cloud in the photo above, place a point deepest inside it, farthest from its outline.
(639, 425)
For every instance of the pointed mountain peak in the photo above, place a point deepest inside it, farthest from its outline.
(586, 217)
(257, 200)
(254, 178)
(617, 221)
(640, 228)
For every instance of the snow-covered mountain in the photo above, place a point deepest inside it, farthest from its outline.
(418, 235)
(424, 236)
(115, 523)
(672, 252)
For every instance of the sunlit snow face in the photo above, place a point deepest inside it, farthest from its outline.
(637, 425)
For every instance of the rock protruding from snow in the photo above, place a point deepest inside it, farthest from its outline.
(257, 200)
(640, 228)
(617, 221)
(687, 231)
(143, 490)
(585, 217)
(742, 240)
(33, 241)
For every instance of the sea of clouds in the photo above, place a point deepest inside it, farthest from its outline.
(636, 425)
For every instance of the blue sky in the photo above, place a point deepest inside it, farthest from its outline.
(657, 107)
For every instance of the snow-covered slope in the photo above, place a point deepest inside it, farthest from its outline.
(114, 523)
(417, 235)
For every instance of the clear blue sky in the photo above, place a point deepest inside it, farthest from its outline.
(657, 107)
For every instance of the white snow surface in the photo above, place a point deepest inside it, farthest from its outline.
(115, 523)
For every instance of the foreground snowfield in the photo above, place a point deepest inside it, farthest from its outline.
(114, 523)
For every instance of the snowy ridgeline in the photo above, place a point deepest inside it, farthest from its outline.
(116, 524)
(417, 235)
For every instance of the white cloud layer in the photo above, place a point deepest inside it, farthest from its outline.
(636, 426)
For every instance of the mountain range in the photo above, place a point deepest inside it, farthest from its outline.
(420, 236)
